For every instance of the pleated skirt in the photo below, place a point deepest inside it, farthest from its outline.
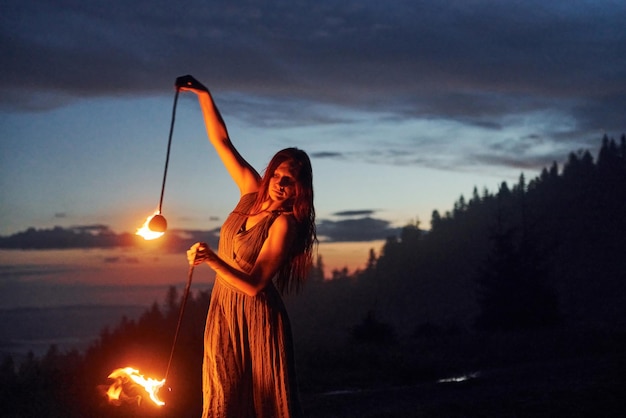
(249, 365)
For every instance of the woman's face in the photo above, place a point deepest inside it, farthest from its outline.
(282, 184)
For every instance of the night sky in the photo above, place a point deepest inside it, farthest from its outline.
(403, 106)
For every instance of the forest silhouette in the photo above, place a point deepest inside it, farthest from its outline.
(532, 274)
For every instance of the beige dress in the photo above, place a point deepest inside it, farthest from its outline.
(248, 368)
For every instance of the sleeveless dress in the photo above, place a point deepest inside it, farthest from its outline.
(248, 367)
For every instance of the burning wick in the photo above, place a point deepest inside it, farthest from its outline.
(158, 223)
(124, 379)
(154, 227)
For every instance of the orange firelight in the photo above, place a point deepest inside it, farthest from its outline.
(153, 228)
(130, 376)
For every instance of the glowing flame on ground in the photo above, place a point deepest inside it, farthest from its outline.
(145, 230)
(124, 376)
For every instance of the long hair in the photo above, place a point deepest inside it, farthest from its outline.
(293, 272)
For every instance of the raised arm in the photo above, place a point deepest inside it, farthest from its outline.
(244, 175)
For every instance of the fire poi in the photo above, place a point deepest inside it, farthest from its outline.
(155, 225)
(128, 379)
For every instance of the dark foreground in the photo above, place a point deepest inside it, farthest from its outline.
(583, 388)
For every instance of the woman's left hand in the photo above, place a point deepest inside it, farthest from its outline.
(189, 83)
(198, 253)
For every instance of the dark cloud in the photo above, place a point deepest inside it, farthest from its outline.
(12, 273)
(355, 230)
(100, 236)
(94, 229)
(475, 63)
(326, 154)
(184, 238)
(117, 259)
(327, 49)
(363, 212)
(88, 236)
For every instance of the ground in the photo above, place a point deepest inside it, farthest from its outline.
(571, 388)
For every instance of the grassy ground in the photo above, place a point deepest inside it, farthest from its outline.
(551, 373)
(589, 387)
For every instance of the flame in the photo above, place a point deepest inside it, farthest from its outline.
(146, 232)
(124, 375)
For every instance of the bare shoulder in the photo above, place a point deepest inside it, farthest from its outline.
(285, 223)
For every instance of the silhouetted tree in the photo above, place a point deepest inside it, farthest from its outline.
(317, 270)
(371, 261)
(9, 390)
(339, 274)
(513, 289)
(172, 303)
(371, 330)
(435, 220)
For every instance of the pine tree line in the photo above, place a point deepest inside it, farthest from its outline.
(533, 255)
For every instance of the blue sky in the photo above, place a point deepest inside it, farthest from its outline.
(402, 105)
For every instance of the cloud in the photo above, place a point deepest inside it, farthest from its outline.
(100, 236)
(355, 230)
(492, 67)
(360, 226)
(87, 236)
(176, 241)
(12, 273)
(362, 212)
(117, 259)
(340, 51)
(326, 154)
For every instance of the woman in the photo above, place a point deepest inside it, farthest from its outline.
(248, 368)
